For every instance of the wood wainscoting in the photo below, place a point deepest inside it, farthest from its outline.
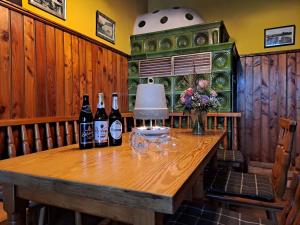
(46, 68)
(268, 87)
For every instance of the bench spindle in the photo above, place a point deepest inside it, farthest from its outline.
(76, 133)
(12, 152)
(180, 122)
(49, 136)
(37, 138)
(58, 135)
(215, 122)
(25, 144)
(226, 136)
(235, 134)
(68, 133)
(188, 123)
(172, 121)
(125, 125)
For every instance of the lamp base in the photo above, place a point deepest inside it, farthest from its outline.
(152, 131)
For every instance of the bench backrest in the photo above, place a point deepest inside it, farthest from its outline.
(283, 155)
(228, 121)
(24, 136)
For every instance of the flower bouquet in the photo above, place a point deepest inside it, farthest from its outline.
(197, 100)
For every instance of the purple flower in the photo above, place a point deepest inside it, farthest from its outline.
(203, 84)
(213, 93)
(204, 99)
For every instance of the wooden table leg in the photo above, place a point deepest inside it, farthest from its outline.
(146, 217)
(198, 189)
(14, 206)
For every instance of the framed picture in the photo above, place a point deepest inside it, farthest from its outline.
(105, 27)
(279, 36)
(55, 7)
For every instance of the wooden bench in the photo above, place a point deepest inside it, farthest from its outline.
(25, 136)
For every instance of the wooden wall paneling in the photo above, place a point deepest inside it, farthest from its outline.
(104, 80)
(115, 76)
(96, 77)
(45, 68)
(282, 85)
(274, 99)
(51, 81)
(249, 106)
(68, 74)
(76, 76)
(297, 137)
(265, 109)
(100, 72)
(241, 101)
(60, 73)
(110, 80)
(119, 79)
(82, 68)
(291, 85)
(41, 69)
(291, 91)
(5, 66)
(89, 73)
(30, 67)
(256, 127)
(17, 62)
(271, 91)
(125, 83)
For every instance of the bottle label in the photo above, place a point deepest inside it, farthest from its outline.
(86, 133)
(86, 108)
(101, 131)
(116, 129)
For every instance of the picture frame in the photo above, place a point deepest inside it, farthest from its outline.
(279, 36)
(105, 27)
(54, 7)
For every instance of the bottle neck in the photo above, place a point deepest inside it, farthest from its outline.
(100, 104)
(86, 105)
(85, 100)
(115, 103)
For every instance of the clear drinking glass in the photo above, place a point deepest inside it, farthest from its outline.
(138, 142)
(154, 143)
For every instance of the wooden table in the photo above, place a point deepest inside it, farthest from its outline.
(110, 182)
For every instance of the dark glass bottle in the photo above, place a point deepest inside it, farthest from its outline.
(101, 124)
(115, 124)
(86, 131)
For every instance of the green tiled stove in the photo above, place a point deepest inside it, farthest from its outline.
(171, 54)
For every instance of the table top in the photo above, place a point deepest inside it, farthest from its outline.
(114, 173)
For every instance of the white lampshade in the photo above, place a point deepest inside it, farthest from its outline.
(150, 103)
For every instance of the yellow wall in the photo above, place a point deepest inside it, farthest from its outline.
(81, 17)
(245, 19)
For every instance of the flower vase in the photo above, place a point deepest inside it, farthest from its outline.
(199, 122)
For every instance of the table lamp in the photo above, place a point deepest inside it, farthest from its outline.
(150, 104)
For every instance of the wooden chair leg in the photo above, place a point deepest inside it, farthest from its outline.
(271, 215)
(78, 218)
(105, 222)
(42, 215)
